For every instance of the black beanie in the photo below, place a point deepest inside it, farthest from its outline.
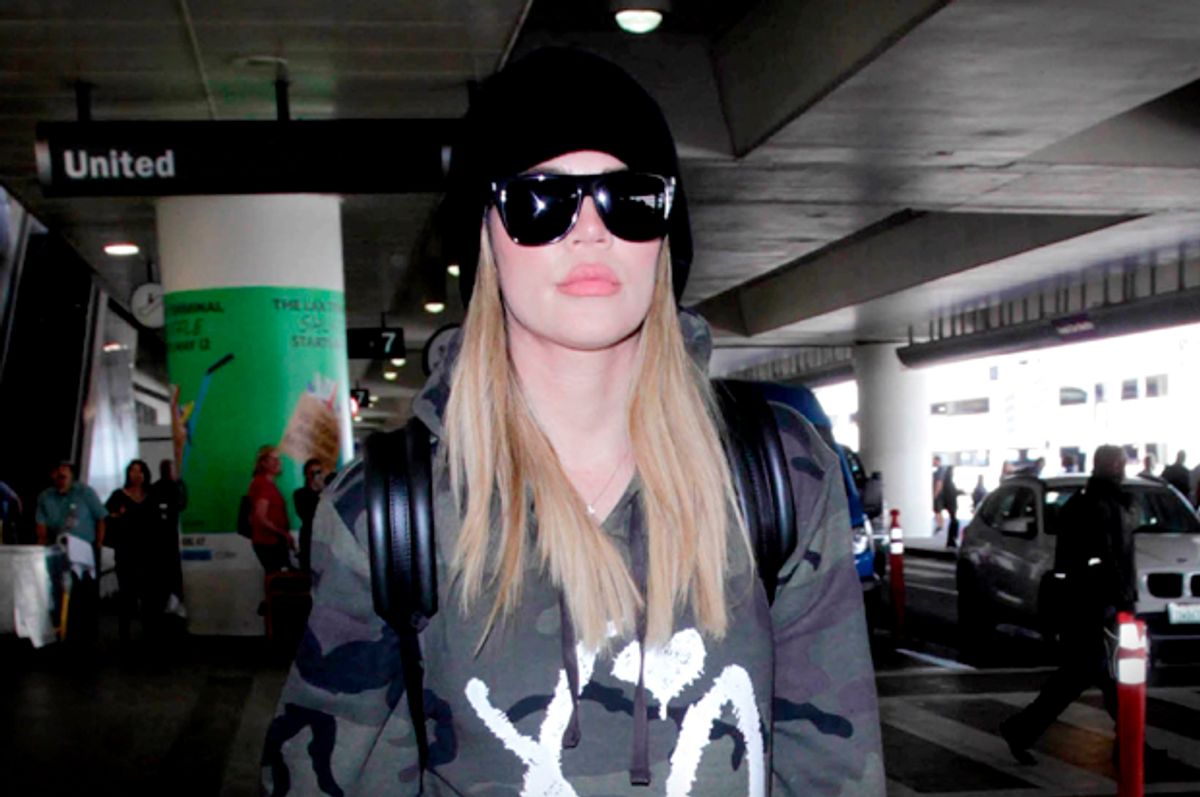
(551, 102)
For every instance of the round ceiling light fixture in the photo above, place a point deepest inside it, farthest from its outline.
(121, 249)
(639, 16)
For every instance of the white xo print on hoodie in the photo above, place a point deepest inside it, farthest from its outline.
(667, 672)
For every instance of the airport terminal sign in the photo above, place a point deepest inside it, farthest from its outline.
(339, 156)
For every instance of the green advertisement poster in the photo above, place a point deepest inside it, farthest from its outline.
(254, 366)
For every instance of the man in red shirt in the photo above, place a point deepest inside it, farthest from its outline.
(269, 519)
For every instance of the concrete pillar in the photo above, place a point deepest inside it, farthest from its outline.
(256, 348)
(893, 427)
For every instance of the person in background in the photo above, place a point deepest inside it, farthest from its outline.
(939, 473)
(71, 511)
(977, 495)
(305, 500)
(1176, 474)
(1148, 464)
(949, 501)
(1032, 468)
(271, 538)
(169, 496)
(1094, 554)
(132, 519)
(10, 513)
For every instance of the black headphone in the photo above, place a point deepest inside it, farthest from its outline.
(399, 497)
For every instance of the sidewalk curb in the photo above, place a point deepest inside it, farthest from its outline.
(945, 554)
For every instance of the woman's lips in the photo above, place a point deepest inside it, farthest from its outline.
(590, 280)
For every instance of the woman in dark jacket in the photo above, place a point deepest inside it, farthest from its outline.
(132, 521)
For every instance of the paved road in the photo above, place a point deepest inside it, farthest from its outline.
(940, 712)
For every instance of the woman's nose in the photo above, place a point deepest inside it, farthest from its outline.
(590, 227)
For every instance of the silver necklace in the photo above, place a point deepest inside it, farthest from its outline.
(591, 505)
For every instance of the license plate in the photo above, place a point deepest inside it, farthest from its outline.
(1181, 613)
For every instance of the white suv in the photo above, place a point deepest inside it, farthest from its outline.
(1006, 560)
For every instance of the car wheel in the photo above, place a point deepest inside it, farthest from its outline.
(976, 624)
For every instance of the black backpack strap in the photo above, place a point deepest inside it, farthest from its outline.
(400, 534)
(760, 475)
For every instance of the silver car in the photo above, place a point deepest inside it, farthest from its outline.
(1005, 569)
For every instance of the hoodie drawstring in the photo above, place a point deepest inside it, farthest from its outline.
(639, 764)
(571, 735)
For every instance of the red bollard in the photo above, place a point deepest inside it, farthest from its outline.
(896, 566)
(1131, 704)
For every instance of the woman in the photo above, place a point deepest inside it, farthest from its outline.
(584, 511)
(270, 537)
(131, 525)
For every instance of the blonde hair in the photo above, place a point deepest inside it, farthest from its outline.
(497, 453)
(264, 452)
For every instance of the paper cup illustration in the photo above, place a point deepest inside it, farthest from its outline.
(312, 430)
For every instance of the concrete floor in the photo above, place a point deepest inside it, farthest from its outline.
(189, 718)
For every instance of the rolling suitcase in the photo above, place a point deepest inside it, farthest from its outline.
(288, 602)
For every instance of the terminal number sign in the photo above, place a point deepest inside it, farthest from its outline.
(375, 343)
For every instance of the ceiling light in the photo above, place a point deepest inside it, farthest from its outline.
(435, 307)
(639, 20)
(358, 419)
(453, 270)
(121, 249)
(391, 375)
(399, 361)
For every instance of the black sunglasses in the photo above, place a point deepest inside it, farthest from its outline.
(539, 209)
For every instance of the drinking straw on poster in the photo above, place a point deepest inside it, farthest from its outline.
(199, 402)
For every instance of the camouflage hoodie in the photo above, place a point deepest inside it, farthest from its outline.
(785, 704)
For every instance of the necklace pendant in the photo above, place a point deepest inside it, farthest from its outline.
(591, 510)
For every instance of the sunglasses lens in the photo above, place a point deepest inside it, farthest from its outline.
(633, 205)
(538, 210)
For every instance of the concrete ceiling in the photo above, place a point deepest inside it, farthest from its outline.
(826, 144)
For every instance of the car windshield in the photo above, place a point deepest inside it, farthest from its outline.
(1158, 510)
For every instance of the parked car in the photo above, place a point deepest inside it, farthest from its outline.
(1005, 570)
(870, 491)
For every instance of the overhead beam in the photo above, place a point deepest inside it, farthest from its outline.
(904, 251)
(1162, 133)
(784, 56)
(1141, 315)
